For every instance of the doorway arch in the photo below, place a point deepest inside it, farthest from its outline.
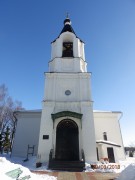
(67, 141)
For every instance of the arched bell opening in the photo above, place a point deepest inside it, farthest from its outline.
(67, 141)
(67, 49)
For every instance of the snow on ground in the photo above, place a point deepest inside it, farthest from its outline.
(128, 173)
(30, 164)
(6, 166)
(125, 168)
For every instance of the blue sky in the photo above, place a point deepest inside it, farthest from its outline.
(27, 27)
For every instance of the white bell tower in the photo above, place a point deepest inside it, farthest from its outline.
(67, 125)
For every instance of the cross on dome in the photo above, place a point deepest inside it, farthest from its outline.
(67, 27)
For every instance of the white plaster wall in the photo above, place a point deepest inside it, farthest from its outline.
(109, 122)
(67, 64)
(58, 83)
(102, 150)
(46, 128)
(27, 132)
(82, 51)
(88, 132)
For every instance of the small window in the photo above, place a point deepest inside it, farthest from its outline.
(67, 49)
(105, 136)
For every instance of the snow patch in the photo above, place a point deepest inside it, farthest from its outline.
(6, 166)
(128, 173)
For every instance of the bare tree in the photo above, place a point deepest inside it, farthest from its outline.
(7, 108)
(130, 149)
(3, 94)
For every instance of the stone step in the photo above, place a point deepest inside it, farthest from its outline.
(72, 166)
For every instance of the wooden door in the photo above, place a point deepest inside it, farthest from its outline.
(111, 154)
(67, 141)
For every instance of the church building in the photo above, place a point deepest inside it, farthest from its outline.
(67, 132)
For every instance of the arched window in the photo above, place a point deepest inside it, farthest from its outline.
(67, 49)
(105, 136)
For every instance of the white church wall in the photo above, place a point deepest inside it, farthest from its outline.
(82, 53)
(85, 87)
(109, 122)
(88, 132)
(76, 48)
(27, 133)
(57, 84)
(100, 151)
(46, 128)
(57, 46)
(67, 64)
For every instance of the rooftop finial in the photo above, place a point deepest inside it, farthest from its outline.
(67, 20)
(67, 15)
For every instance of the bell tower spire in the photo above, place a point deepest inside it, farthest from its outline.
(67, 51)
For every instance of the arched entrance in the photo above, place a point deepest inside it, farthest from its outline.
(67, 141)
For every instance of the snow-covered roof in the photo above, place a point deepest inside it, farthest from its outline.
(95, 111)
(101, 111)
(107, 142)
(30, 111)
